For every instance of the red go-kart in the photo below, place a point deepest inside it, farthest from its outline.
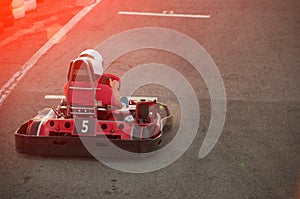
(139, 127)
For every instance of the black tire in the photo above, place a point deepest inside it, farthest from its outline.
(34, 127)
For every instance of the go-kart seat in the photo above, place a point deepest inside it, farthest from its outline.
(80, 90)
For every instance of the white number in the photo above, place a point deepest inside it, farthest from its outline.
(85, 126)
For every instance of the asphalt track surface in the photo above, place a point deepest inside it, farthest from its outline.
(255, 45)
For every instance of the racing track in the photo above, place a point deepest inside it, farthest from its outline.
(255, 46)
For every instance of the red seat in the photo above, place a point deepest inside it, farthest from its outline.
(104, 94)
(82, 86)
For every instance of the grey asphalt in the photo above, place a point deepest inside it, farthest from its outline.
(255, 45)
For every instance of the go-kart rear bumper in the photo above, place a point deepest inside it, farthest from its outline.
(81, 146)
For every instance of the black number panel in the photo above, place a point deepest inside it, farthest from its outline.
(84, 126)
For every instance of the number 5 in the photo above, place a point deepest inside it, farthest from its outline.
(85, 126)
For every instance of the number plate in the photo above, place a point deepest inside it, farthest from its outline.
(84, 126)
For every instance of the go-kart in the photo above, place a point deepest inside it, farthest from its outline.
(81, 118)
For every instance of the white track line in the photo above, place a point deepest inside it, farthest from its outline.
(163, 14)
(55, 97)
(14, 80)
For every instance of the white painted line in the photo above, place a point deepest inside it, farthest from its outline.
(14, 80)
(164, 14)
(55, 97)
